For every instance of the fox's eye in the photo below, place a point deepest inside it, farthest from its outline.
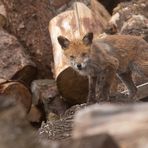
(72, 57)
(84, 54)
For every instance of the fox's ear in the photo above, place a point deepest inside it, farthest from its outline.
(64, 42)
(87, 39)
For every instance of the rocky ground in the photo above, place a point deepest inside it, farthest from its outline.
(33, 113)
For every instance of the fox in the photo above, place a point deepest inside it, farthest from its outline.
(104, 59)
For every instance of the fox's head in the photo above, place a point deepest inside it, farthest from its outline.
(77, 51)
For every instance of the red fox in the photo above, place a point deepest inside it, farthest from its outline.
(102, 59)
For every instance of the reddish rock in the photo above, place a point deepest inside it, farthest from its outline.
(58, 3)
(28, 21)
(17, 91)
(13, 59)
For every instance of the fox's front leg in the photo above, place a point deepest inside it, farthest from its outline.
(105, 81)
(92, 89)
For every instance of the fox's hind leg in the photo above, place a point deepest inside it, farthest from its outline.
(126, 78)
(141, 67)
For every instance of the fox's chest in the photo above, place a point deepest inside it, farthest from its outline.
(90, 70)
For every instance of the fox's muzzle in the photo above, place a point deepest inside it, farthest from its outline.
(79, 66)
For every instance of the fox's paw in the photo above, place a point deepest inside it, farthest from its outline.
(132, 97)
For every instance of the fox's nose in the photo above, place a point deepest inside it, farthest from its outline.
(79, 66)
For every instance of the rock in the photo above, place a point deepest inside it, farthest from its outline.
(52, 117)
(57, 3)
(56, 130)
(15, 130)
(56, 105)
(46, 91)
(95, 141)
(61, 6)
(73, 109)
(14, 62)
(28, 21)
(43, 89)
(37, 115)
(34, 114)
(59, 129)
(110, 4)
(126, 123)
(100, 13)
(130, 18)
(17, 91)
(3, 15)
(136, 25)
(26, 75)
